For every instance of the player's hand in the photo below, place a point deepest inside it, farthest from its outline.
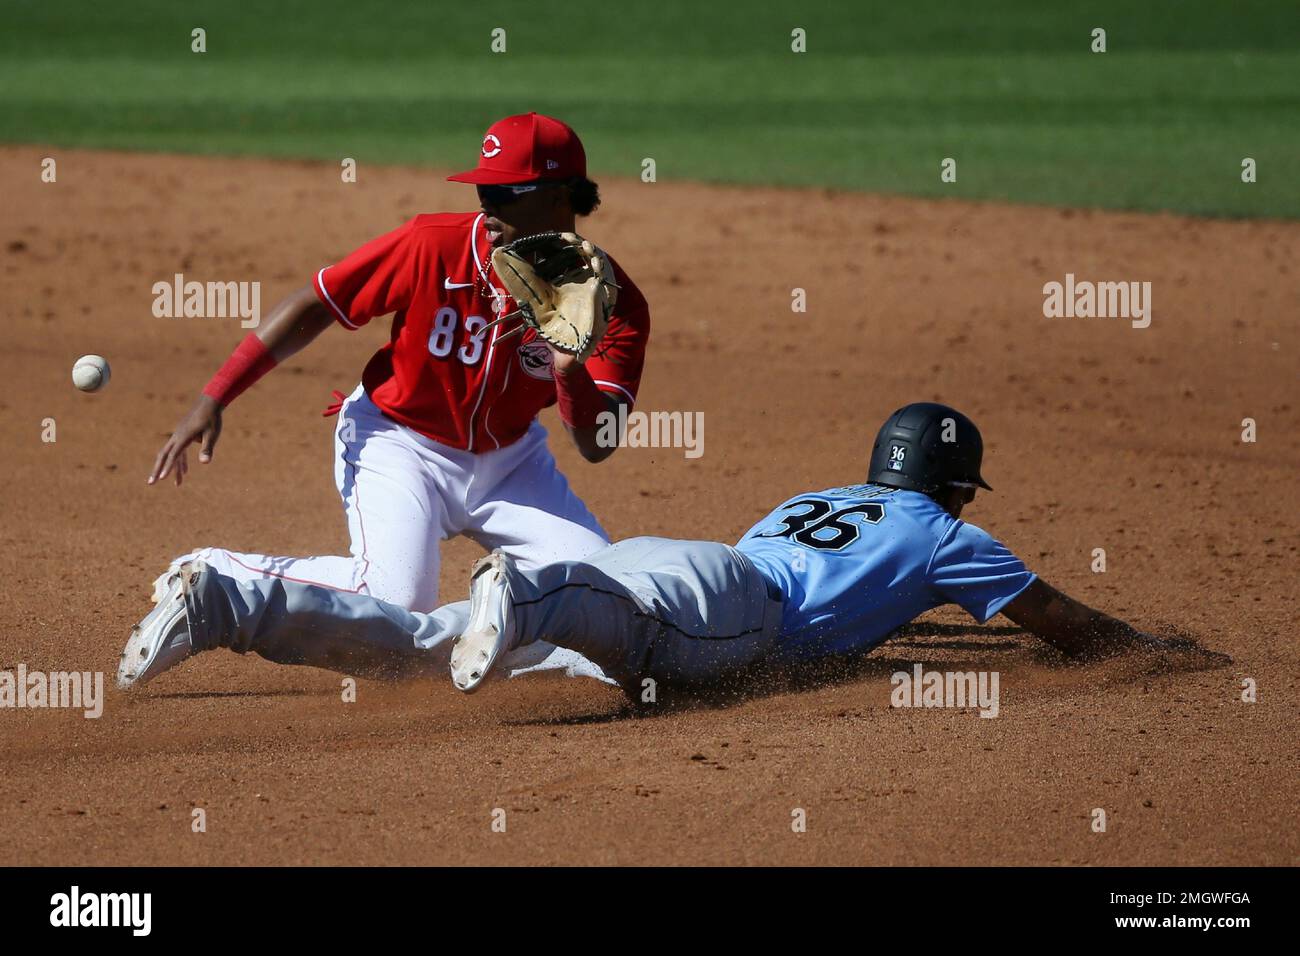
(563, 363)
(1177, 651)
(201, 424)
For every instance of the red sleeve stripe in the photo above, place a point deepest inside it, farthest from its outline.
(324, 294)
(614, 386)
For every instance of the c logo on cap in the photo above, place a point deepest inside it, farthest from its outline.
(491, 140)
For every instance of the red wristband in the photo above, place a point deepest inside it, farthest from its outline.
(579, 399)
(245, 366)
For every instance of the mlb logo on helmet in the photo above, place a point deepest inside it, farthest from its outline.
(524, 149)
(897, 454)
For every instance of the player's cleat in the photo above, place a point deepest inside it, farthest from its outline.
(162, 640)
(491, 629)
(162, 583)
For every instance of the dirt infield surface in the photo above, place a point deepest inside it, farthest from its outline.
(1100, 435)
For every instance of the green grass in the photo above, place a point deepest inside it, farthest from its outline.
(711, 92)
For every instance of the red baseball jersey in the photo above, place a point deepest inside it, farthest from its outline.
(442, 372)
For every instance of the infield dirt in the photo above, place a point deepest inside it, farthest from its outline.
(1099, 435)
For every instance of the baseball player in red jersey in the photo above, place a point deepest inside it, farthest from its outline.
(441, 437)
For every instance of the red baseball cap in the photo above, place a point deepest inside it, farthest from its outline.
(525, 148)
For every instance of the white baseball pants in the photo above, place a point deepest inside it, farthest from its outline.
(404, 493)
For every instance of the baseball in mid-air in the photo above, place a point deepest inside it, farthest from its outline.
(91, 373)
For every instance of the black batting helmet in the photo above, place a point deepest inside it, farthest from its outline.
(926, 446)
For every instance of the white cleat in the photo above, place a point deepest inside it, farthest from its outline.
(162, 640)
(162, 583)
(491, 629)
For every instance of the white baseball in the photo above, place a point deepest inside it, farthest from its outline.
(91, 373)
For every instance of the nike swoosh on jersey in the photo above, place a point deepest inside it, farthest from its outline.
(448, 284)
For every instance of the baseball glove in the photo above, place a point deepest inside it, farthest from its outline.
(564, 288)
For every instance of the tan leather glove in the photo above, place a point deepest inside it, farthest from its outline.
(564, 288)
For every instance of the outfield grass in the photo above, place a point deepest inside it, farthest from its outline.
(885, 91)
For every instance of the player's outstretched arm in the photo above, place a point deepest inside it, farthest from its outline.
(582, 402)
(1082, 633)
(294, 323)
(291, 325)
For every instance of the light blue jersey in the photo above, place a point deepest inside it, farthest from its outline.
(856, 563)
(851, 566)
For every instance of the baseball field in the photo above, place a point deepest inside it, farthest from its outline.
(1145, 464)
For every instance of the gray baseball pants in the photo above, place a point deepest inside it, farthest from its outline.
(685, 611)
